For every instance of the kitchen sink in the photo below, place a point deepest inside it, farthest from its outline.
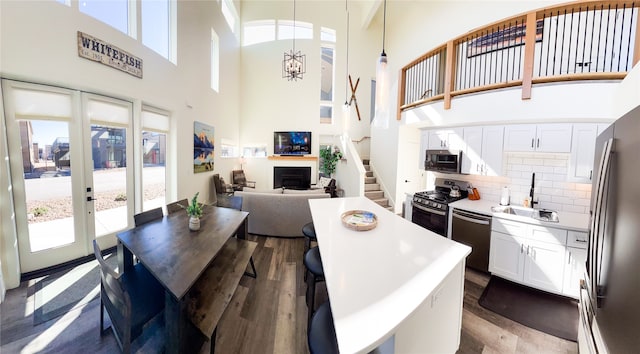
(537, 214)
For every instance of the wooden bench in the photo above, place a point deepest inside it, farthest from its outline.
(212, 293)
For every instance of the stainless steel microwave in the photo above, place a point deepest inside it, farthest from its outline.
(448, 161)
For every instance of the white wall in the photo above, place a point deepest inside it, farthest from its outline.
(39, 44)
(270, 103)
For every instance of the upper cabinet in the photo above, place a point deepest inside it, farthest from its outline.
(538, 137)
(445, 139)
(482, 152)
(582, 151)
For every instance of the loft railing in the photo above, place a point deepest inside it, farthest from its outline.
(586, 40)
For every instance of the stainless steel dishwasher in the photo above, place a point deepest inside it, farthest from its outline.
(473, 230)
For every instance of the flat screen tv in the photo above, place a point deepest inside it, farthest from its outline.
(291, 143)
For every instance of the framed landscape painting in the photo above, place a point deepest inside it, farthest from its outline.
(203, 147)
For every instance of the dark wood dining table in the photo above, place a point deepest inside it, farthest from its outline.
(177, 257)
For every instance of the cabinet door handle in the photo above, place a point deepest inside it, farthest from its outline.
(569, 260)
(590, 175)
(538, 142)
(528, 249)
(532, 141)
(522, 248)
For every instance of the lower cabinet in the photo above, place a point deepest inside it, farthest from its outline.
(545, 258)
(574, 271)
(530, 262)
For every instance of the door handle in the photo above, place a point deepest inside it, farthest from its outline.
(406, 181)
(89, 199)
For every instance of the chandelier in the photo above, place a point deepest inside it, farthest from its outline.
(293, 65)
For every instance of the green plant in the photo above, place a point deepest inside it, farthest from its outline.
(329, 157)
(121, 197)
(194, 209)
(39, 211)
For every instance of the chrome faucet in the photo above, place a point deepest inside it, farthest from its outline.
(531, 191)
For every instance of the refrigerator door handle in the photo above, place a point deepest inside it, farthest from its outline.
(597, 227)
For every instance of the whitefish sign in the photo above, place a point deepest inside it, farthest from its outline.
(97, 50)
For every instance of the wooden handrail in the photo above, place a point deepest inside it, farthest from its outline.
(531, 20)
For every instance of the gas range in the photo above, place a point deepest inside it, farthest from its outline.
(440, 197)
(430, 208)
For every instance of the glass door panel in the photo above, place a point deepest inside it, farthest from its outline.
(109, 157)
(46, 164)
(154, 155)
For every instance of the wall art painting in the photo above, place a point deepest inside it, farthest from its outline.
(203, 147)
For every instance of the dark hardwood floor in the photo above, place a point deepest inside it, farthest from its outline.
(267, 315)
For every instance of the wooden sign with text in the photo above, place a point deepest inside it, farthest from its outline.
(95, 49)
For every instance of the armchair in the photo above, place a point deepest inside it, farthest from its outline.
(240, 181)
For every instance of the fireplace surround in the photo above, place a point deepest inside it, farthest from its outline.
(292, 177)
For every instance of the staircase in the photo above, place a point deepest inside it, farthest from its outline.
(372, 188)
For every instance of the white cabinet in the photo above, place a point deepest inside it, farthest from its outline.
(576, 256)
(583, 144)
(529, 254)
(574, 271)
(482, 150)
(442, 139)
(538, 137)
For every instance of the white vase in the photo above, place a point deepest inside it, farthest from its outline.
(194, 223)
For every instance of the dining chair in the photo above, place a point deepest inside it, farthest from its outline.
(131, 298)
(177, 206)
(147, 216)
(235, 202)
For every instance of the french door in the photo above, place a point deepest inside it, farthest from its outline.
(68, 155)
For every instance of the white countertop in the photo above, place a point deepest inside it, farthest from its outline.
(377, 278)
(569, 221)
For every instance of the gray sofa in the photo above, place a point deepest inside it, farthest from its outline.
(277, 212)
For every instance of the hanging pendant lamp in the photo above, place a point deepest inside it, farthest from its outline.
(381, 117)
(293, 65)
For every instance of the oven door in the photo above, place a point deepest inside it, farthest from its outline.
(431, 219)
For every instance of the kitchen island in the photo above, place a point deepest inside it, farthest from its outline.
(397, 281)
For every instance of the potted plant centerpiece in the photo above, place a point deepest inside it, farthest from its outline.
(194, 210)
(330, 157)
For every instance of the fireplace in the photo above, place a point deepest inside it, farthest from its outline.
(292, 177)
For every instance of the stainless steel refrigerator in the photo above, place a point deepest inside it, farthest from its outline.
(610, 295)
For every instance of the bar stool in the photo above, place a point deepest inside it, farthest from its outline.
(309, 232)
(315, 273)
(322, 333)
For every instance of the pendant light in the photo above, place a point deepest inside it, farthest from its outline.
(293, 65)
(381, 118)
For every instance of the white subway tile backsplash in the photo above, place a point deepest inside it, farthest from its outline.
(552, 189)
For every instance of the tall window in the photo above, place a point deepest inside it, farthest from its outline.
(155, 26)
(114, 12)
(215, 61)
(327, 74)
(230, 15)
(155, 127)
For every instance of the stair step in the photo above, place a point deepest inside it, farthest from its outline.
(365, 162)
(367, 168)
(374, 194)
(368, 174)
(368, 180)
(383, 202)
(371, 187)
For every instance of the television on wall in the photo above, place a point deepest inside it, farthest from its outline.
(292, 143)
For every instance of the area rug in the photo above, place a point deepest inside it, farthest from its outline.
(553, 314)
(59, 293)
